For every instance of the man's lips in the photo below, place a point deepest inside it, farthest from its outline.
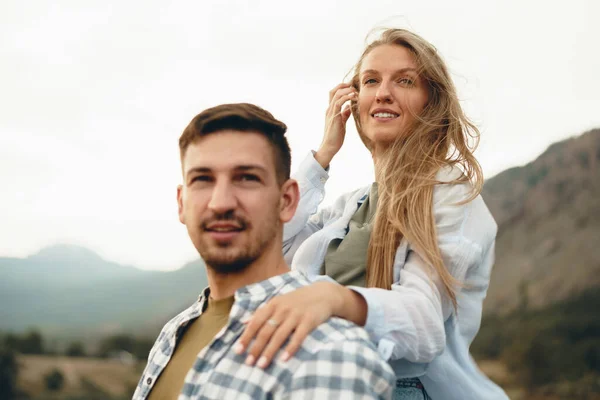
(224, 236)
(223, 227)
(224, 231)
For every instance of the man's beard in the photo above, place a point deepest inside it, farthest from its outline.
(230, 258)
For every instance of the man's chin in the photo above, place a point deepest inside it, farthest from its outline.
(227, 263)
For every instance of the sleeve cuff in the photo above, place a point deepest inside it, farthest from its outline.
(313, 172)
(321, 278)
(375, 314)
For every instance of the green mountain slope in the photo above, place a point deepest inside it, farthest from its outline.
(548, 212)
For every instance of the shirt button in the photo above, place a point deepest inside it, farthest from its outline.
(149, 381)
(323, 179)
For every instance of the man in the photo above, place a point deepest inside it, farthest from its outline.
(236, 196)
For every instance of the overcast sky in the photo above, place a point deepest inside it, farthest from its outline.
(94, 95)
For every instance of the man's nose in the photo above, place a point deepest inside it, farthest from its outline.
(223, 198)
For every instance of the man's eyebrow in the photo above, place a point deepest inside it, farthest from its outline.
(401, 70)
(249, 167)
(197, 170)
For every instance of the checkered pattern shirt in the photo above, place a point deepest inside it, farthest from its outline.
(336, 361)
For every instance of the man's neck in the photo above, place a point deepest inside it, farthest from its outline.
(268, 265)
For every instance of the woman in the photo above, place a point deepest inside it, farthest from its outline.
(409, 257)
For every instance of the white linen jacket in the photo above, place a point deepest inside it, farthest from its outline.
(413, 325)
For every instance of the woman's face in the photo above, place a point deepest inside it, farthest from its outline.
(391, 94)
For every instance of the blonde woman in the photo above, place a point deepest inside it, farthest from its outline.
(408, 257)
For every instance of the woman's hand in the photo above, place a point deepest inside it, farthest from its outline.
(335, 122)
(293, 315)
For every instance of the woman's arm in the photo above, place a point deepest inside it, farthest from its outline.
(311, 178)
(312, 174)
(408, 320)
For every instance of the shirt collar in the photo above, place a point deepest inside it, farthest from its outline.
(364, 197)
(259, 292)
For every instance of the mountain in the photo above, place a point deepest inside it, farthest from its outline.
(548, 214)
(71, 289)
(547, 250)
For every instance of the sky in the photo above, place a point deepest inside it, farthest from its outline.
(94, 95)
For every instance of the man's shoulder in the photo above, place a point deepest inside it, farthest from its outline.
(171, 327)
(339, 360)
(336, 331)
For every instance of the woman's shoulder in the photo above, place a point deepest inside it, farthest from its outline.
(452, 185)
(456, 207)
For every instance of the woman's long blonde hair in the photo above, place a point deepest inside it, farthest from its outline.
(442, 136)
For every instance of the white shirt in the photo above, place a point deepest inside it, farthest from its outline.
(413, 325)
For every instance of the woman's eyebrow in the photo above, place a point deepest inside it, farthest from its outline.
(400, 71)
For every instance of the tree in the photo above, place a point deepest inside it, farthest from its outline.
(12, 341)
(75, 349)
(524, 296)
(138, 347)
(142, 348)
(116, 343)
(8, 373)
(55, 380)
(31, 343)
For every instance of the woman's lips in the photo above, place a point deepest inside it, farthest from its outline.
(384, 115)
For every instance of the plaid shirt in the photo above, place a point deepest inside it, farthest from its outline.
(336, 361)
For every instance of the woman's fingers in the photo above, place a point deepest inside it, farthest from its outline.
(333, 91)
(335, 108)
(346, 113)
(271, 338)
(335, 122)
(276, 342)
(262, 338)
(301, 332)
(258, 320)
(333, 113)
(340, 97)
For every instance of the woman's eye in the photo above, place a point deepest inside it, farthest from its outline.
(406, 81)
(369, 81)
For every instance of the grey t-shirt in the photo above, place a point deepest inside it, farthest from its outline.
(346, 259)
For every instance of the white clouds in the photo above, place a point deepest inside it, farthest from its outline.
(95, 95)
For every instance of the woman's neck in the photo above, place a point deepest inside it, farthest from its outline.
(377, 156)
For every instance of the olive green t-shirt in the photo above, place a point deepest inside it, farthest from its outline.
(346, 259)
(199, 333)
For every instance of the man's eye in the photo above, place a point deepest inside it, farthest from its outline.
(249, 177)
(201, 178)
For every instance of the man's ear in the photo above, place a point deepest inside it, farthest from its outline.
(180, 203)
(290, 196)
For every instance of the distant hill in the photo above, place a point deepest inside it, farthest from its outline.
(548, 212)
(71, 289)
(548, 247)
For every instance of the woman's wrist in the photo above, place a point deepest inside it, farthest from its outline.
(324, 157)
(349, 305)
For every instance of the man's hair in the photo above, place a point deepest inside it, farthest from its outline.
(243, 117)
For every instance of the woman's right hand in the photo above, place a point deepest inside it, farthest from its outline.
(335, 122)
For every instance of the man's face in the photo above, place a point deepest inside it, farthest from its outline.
(230, 201)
